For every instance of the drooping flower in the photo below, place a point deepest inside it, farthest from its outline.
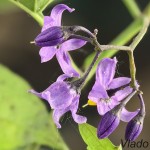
(110, 121)
(62, 97)
(54, 40)
(108, 91)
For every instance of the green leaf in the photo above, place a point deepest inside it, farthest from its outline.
(33, 7)
(89, 136)
(24, 120)
(5, 5)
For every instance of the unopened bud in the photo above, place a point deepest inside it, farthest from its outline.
(50, 37)
(108, 123)
(134, 127)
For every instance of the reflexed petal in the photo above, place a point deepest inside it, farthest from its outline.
(59, 95)
(74, 108)
(35, 93)
(47, 53)
(126, 116)
(48, 22)
(62, 77)
(121, 94)
(97, 93)
(118, 82)
(65, 63)
(72, 44)
(57, 114)
(57, 11)
(55, 18)
(106, 71)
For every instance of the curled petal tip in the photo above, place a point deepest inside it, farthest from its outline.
(43, 60)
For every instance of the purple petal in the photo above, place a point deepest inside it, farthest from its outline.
(35, 93)
(57, 114)
(55, 18)
(104, 106)
(126, 115)
(118, 82)
(106, 71)
(59, 95)
(73, 108)
(97, 93)
(62, 77)
(48, 22)
(57, 11)
(72, 44)
(47, 53)
(121, 94)
(65, 63)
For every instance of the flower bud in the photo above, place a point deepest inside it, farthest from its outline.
(50, 37)
(108, 124)
(134, 127)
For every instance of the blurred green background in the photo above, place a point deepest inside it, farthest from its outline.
(110, 17)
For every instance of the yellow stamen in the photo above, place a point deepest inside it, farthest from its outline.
(91, 103)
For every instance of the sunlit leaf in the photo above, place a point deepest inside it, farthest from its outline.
(24, 120)
(89, 136)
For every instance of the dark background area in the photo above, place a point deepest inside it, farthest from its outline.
(110, 17)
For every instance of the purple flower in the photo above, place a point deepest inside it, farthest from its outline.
(50, 42)
(111, 120)
(108, 91)
(62, 97)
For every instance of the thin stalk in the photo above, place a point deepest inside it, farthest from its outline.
(133, 45)
(141, 34)
(110, 47)
(121, 39)
(80, 82)
(90, 67)
(147, 11)
(126, 100)
(142, 110)
(132, 7)
(132, 69)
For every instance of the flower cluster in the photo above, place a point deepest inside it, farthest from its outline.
(108, 93)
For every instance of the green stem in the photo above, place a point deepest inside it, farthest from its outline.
(121, 39)
(35, 15)
(132, 7)
(132, 69)
(141, 34)
(133, 45)
(147, 11)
